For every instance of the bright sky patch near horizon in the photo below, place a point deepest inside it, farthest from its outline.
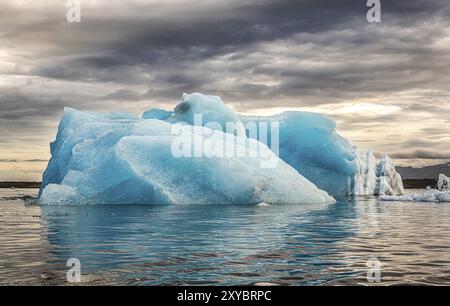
(386, 84)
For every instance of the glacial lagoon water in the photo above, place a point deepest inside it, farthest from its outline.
(224, 244)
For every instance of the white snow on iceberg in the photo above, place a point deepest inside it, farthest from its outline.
(376, 177)
(119, 158)
(443, 182)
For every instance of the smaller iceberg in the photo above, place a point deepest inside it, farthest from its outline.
(443, 182)
(425, 196)
(440, 194)
(376, 176)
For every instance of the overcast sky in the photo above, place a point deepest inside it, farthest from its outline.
(386, 84)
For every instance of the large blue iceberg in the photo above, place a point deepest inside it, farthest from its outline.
(118, 158)
(152, 159)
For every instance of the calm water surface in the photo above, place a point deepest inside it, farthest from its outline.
(223, 244)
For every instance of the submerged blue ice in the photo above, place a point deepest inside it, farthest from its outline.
(122, 158)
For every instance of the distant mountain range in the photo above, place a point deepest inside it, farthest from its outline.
(429, 172)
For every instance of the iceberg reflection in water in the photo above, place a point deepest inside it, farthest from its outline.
(225, 244)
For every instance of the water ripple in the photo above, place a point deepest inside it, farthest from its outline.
(226, 245)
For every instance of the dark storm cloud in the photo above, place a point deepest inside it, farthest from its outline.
(34, 106)
(124, 95)
(16, 105)
(436, 131)
(162, 49)
(422, 154)
(192, 37)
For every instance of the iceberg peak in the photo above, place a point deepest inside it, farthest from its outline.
(212, 110)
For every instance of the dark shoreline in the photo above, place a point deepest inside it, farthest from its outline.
(419, 183)
(408, 184)
(20, 184)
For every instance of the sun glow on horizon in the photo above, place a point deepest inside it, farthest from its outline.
(365, 109)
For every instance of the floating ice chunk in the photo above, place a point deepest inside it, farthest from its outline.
(263, 205)
(425, 196)
(443, 182)
(388, 181)
(123, 159)
(376, 177)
